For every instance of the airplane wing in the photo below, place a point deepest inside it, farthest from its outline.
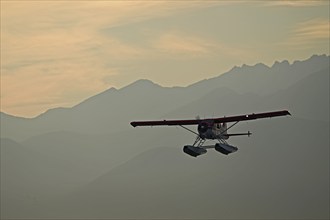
(252, 116)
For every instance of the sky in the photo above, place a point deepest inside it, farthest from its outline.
(59, 53)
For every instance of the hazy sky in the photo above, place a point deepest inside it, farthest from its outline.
(58, 53)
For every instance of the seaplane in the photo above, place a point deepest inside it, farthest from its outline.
(212, 129)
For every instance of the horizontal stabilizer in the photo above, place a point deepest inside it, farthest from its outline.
(238, 134)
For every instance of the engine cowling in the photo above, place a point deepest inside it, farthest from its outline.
(203, 127)
(194, 151)
(225, 148)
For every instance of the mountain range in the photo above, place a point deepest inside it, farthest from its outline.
(88, 162)
(113, 109)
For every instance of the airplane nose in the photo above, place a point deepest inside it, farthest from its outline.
(202, 127)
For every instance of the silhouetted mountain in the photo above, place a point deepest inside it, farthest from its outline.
(307, 98)
(113, 109)
(263, 80)
(29, 178)
(88, 162)
(274, 175)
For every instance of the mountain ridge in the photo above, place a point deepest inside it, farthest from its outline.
(147, 82)
(113, 109)
(150, 180)
(88, 162)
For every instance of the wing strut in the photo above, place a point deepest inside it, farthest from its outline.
(189, 130)
(229, 127)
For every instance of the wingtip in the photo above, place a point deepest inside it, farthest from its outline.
(288, 113)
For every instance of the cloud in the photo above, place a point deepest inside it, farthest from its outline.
(184, 45)
(180, 44)
(62, 67)
(308, 33)
(50, 85)
(56, 53)
(296, 3)
(312, 30)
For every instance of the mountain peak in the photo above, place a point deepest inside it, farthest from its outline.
(257, 65)
(283, 63)
(144, 82)
(315, 56)
(141, 83)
